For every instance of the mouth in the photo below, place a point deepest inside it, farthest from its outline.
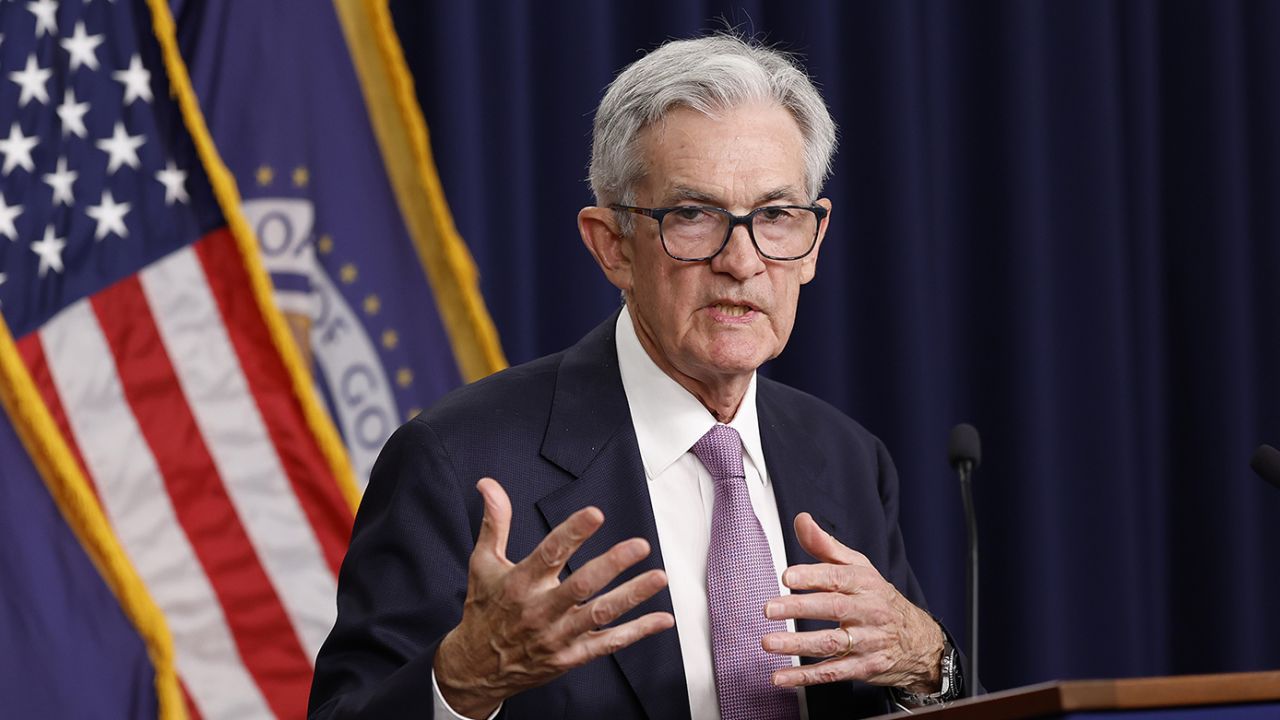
(726, 310)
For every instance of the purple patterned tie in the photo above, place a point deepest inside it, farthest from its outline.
(740, 579)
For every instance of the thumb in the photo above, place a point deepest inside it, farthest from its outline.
(822, 545)
(497, 518)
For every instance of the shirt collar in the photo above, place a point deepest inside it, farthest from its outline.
(668, 419)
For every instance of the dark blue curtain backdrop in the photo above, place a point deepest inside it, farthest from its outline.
(1057, 220)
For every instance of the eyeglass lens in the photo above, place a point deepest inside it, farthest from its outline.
(699, 232)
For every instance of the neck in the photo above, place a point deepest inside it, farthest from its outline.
(723, 403)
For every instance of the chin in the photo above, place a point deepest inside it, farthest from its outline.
(737, 361)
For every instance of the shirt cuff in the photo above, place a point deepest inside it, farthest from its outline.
(442, 711)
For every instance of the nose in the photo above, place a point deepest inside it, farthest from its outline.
(739, 257)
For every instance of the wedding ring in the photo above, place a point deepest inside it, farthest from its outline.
(848, 648)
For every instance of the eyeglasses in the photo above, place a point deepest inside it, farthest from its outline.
(693, 233)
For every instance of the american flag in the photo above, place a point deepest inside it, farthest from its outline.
(135, 313)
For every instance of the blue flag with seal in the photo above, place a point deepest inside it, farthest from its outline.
(313, 111)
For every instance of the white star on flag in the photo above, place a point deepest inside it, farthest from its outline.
(82, 47)
(122, 148)
(46, 16)
(50, 251)
(174, 181)
(32, 79)
(7, 214)
(136, 80)
(60, 180)
(72, 115)
(17, 150)
(110, 217)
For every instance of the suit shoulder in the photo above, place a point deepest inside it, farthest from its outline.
(813, 408)
(516, 399)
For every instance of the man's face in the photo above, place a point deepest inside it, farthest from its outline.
(717, 320)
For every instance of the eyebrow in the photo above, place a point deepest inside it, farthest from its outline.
(683, 193)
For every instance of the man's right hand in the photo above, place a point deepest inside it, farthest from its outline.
(521, 627)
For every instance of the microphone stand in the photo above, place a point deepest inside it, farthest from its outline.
(964, 452)
(965, 470)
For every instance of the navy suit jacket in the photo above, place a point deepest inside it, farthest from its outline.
(557, 434)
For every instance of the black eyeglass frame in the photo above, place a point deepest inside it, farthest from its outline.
(734, 221)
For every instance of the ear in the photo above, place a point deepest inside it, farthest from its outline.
(809, 265)
(611, 250)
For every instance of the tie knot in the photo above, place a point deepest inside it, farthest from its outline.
(720, 451)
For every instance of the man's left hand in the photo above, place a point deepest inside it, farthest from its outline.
(882, 638)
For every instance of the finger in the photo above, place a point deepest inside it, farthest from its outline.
(549, 557)
(820, 544)
(496, 525)
(598, 572)
(848, 579)
(831, 606)
(599, 643)
(838, 641)
(834, 670)
(615, 603)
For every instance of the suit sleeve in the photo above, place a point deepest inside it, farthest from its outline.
(899, 571)
(402, 583)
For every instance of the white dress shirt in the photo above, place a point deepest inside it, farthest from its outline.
(668, 420)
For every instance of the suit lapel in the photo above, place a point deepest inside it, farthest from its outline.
(591, 437)
(797, 469)
(798, 474)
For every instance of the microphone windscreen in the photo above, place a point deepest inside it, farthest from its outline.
(1266, 462)
(964, 445)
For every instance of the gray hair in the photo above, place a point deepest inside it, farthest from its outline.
(709, 74)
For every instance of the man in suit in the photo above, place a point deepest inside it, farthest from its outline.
(642, 536)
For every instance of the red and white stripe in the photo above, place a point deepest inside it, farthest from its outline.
(182, 415)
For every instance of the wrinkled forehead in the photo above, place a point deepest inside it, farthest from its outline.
(749, 153)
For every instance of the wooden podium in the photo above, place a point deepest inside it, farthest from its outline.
(1236, 696)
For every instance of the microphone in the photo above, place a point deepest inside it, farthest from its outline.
(964, 452)
(1266, 462)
